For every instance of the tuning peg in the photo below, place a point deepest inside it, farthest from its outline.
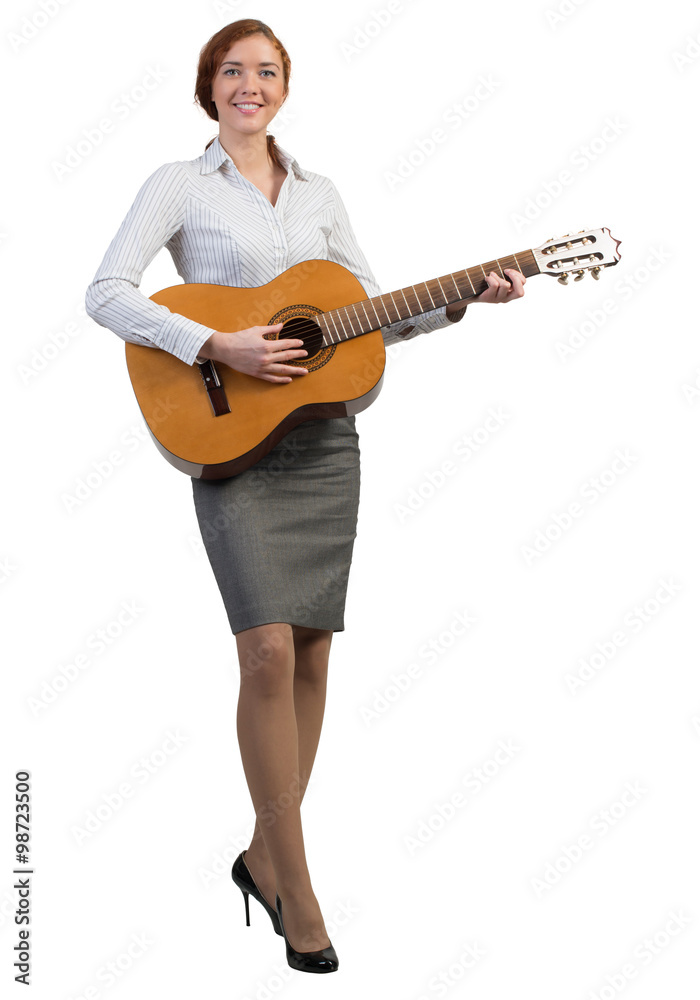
(595, 272)
(563, 279)
(579, 275)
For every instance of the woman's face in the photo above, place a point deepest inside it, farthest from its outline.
(248, 88)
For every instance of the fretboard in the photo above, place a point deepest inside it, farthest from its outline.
(415, 300)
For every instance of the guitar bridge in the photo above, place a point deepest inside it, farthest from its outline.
(215, 390)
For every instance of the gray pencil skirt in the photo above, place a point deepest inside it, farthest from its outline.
(280, 535)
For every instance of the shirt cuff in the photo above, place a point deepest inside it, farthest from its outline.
(436, 319)
(454, 317)
(182, 337)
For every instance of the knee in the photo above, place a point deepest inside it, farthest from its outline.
(266, 657)
(311, 652)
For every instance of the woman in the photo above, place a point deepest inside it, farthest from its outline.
(280, 535)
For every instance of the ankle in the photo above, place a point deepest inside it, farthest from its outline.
(295, 892)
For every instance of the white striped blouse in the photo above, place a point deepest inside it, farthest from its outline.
(220, 229)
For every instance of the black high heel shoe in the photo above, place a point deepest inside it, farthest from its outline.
(324, 960)
(246, 883)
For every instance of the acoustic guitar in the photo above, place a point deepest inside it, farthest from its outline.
(211, 421)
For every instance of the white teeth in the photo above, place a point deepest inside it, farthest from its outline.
(248, 107)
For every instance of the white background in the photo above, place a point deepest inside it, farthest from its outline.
(367, 89)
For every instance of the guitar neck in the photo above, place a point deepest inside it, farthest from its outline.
(406, 303)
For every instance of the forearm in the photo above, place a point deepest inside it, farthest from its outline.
(456, 310)
(116, 304)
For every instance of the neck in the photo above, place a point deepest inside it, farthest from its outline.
(414, 300)
(248, 152)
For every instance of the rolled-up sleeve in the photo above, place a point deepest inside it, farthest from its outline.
(344, 249)
(113, 298)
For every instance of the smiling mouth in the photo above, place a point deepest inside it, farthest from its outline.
(247, 107)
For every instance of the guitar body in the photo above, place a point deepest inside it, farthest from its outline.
(342, 379)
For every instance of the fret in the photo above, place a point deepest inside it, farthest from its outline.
(442, 291)
(320, 318)
(338, 326)
(369, 326)
(375, 313)
(347, 320)
(357, 322)
(414, 306)
(381, 299)
(478, 284)
(398, 311)
(330, 320)
(431, 291)
(424, 308)
(471, 283)
(328, 334)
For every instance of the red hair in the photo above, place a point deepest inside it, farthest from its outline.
(211, 57)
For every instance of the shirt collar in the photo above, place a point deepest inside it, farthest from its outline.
(215, 156)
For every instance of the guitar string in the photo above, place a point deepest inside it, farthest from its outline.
(357, 325)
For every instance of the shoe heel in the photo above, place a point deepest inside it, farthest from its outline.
(246, 883)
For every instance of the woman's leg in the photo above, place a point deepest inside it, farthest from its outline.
(284, 672)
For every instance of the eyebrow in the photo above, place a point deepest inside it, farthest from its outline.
(229, 63)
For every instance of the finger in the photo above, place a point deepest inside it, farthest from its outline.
(272, 364)
(494, 283)
(291, 352)
(514, 272)
(518, 283)
(294, 347)
(267, 332)
(488, 293)
(502, 287)
(269, 377)
(288, 370)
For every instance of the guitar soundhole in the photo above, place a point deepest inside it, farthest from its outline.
(302, 328)
(298, 325)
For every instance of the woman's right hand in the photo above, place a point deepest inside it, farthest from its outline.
(249, 352)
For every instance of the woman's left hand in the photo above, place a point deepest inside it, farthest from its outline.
(500, 290)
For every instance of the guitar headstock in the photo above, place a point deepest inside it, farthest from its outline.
(576, 253)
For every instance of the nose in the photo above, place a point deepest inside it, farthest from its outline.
(249, 83)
